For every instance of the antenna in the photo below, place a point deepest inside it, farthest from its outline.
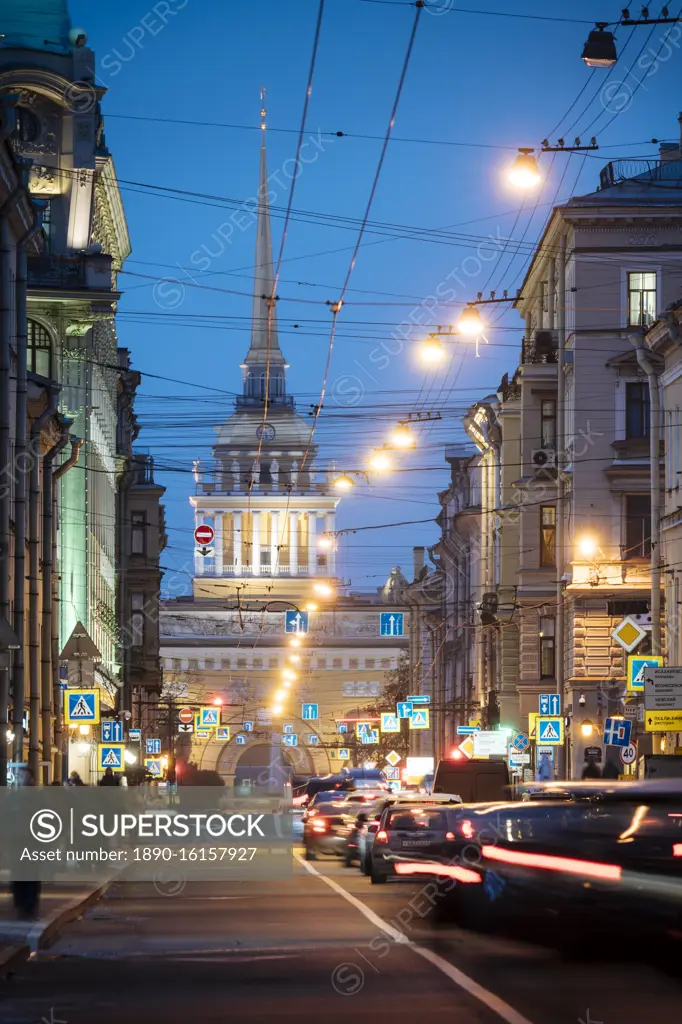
(263, 111)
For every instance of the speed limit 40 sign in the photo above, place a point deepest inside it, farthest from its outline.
(628, 754)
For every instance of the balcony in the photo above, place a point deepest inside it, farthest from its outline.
(247, 570)
(222, 483)
(541, 347)
(86, 272)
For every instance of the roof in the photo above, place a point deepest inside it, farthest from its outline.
(36, 25)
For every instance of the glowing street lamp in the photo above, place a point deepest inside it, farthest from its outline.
(310, 606)
(343, 482)
(524, 173)
(402, 437)
(587, 547)
(587, 728)
(295, 641)
(323, 590)
(431, 351)
(325, 542)
(470, 322)
(288, 674)
(379, 461)
(294, 658)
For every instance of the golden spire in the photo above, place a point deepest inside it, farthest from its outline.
(263, 111)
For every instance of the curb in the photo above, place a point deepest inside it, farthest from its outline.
(45, 932)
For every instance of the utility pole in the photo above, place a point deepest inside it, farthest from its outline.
(560, 630)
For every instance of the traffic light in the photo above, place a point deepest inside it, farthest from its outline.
(492, 711)
(488, 609)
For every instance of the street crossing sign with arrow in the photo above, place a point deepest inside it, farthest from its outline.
(637, 670)
(550, 704)
(110, 755)
(81, 707)
(112, 732)
(291, 740)
(391, 624)
(295, 622)
(404, 708)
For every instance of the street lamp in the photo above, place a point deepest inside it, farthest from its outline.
(431, 351)
(524, 173)
(277, 710)
(288, 674)
(343, 482)
(379, 461)
(587, 728)
(323, 590)
(325, 542)
(310, 606)
(587, 547)
(470, 322)
(295, 641)
(295, 658)
(402, 437)
(600, 48)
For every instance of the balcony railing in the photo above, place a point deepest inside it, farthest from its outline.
(209, 569)
(88, 271)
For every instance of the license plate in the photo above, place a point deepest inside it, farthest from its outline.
(416, 842)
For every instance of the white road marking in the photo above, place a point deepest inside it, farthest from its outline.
(489, 999)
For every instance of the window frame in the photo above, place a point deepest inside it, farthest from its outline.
(548, 419)
(138, 527)
(34, 328)
(625, 289)
(137, 618)
(547, 561)
(547, 638)
(641, 548)
(641, 406)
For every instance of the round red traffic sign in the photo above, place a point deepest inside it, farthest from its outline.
(186, 716)
(628, 754)
(204, 535)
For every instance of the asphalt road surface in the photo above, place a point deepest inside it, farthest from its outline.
(310, 949)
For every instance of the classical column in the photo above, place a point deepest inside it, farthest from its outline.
(330, 525)
(237, 517)
(274, 543)
(312, 544)
(198, 559)
(293, 543)
(218, 542)
(255, 543)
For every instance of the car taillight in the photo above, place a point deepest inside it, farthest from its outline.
(381, 836)
(319, 828)
(468, 830)
(450, 836)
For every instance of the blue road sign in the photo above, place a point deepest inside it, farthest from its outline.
(209, 718)
(550, 730)
(404, 708)
(362, 727)
(223, 732)
(153, 746)
(110, 756)
(313, 739)
(467, 730)
(296, 622)
(291, 740)
(371, 736)
(241, 740)
(344, 754)
(550, 703)
(520, 742)
(419, 719)
(82, 706)
(112, 732)
(419, 698)
(617, 732)
(134, 735)
(391, 624)
(287, 727)
(247, 726)
(309, 712)
(342, 727)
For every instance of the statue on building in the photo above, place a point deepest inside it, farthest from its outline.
(392, 591)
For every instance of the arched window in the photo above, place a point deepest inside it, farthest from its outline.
(262, 385)
(28, 125)
(39, 355)
(278, 389)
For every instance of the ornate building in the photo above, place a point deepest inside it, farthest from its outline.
(269, 503)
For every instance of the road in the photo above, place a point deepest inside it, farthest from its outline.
(321, 947)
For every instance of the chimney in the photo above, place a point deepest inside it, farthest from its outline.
(418, 560)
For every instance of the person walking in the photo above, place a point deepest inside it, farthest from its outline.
(26, 894)
(591, 770)
(75, 780)
(109, 779)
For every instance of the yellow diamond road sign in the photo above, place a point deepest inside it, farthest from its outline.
(466, 747)
(393, 758)
(628, 634)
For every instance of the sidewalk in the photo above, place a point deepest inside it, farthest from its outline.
(60, 903)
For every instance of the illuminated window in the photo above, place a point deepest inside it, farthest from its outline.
(39, 355)
(548, 535)
(641, 299)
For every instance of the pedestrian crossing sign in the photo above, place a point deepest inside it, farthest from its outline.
(209, 718)
(81, 707)
(344, 754)
(389, 722)
(362, 727)
(419, 719)
(223, 732)
(110, 755)
(153, 766)
(637, 667)
(550, 731)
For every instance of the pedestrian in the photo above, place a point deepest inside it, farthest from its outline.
(610, 771)
(109, 779)
(591, 770)
(26, 894)
(75, 780)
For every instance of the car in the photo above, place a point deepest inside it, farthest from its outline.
(366, 778)
(408, 834)
(366, 835)
(325, 833)
(476, 780)
(334, 796)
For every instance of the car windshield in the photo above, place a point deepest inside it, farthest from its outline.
(415, 820)
(328, 797)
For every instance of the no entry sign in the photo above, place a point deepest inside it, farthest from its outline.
(186, 716)
(204, 535)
